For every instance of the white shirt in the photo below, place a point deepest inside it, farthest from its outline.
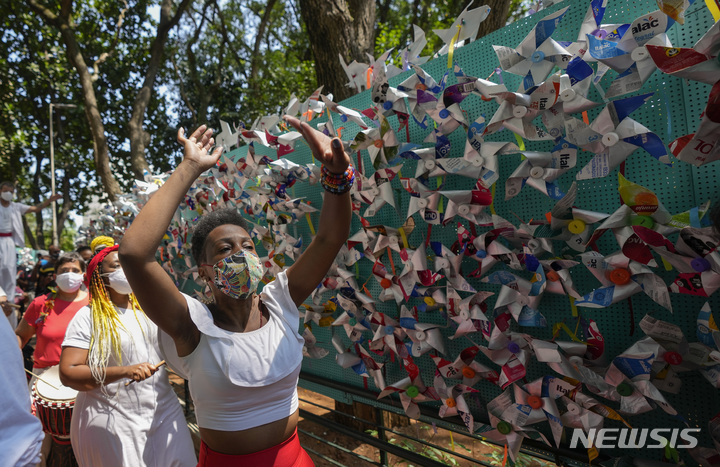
(11, 221)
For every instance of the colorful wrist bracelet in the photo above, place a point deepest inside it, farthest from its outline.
(337, 183)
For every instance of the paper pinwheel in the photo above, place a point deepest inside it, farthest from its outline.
(453, 402)
(465, 367)
(699, 64)
(613, 136)
(537, 54)
(621, 278)
(464, 27)
(520, 297)
(540, 170)
(509, 351)
(360, 361)
(388, 336)
(411, 390)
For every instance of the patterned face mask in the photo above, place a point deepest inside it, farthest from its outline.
(238, 275)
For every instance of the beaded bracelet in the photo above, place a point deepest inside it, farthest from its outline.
(337, 183)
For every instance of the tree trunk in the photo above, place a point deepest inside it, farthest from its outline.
(139, 138)
(340, 27)
(499, 11)
(92, 112)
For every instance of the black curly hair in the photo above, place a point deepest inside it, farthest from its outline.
(210, 222)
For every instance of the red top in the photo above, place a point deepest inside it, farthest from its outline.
(50, 331)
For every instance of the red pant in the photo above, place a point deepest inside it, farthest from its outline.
(289, 453)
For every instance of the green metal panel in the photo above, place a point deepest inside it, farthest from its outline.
(673, 111)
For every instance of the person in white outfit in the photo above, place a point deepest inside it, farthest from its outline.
(21, 433)
(108, 345)
(11, 235)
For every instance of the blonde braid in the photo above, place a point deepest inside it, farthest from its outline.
(105, 338)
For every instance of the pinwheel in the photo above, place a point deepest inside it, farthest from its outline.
(624, 50)
(540, 170)
(573, 88)
(699, 63)
(380, 142)
(449, 263)
(227, 138)
(621, 278)
(423, 200)
(643, 209)
(388, 336)
(360, 361)
(507, 350)
(557, 274)
(471, 317)
(420, 81)
(447, 119)
(569, 223)
(464, 27)
(466, 368)
(453, 402)
(518, 110)
(520, 297)
(540, 396)
(415, 272)
(508, 424)
(410, 55)
(707, 330)
(468, 204)
(629, 377)
(537, 54)
(411, 390)
(377, 191)
(346, 114)
(677, 355)
(483, 154)
(353, 319)
(489, 250)
(388, 282)
(310, 348)
(613, 136)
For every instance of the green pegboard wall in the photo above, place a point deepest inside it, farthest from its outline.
(674, 110)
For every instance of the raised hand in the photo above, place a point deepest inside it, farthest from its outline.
(327, 150)
(197, 147)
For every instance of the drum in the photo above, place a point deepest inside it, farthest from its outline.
(54, 404)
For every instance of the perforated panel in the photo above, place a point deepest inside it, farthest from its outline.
(673, 111)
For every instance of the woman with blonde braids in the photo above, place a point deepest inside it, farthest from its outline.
(108, 344)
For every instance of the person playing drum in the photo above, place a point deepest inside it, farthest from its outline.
(108, 344)
(48, 317)
(242, 353)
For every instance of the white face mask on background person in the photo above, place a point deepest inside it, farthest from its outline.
(7, 195)
(69, 282)
(118, 282)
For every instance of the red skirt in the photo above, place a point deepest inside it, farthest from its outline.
(289, 453)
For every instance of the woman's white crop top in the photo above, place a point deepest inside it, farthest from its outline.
(243, 380)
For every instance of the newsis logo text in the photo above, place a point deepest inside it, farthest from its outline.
(635, 438)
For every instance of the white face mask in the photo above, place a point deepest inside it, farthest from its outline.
(7, 195)
(119, 282)
(69, 282)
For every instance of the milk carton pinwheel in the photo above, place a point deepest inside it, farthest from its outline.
(466, 368)
(470, 317)
(621, 278)
(557, 275)
(699, 63)
(540, 170)
(537, 54)
(310, 348)
(447, 119)
(426, 337)
(572, 223)
(464, 27)
(453, 402)
(418, 84)
(360, 361)
(380, 142)
(449, 263)
(629, 374)
(707, 330)
(468, 204)
(416, 271)
(377, 190)
(411, 390)
(509, 423)
(386, 99)
(624, 50)
(488, 250)
(410, 55)
(694, 256)
(677, 355)
(540, 396)
(483, 154)
(346, 114)
(388, 336)
(509, 351)
(227, 138)
(353, 319)
(574, 86)
(518, 110)
(613, 136)
(520, 297)
(388, 282)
